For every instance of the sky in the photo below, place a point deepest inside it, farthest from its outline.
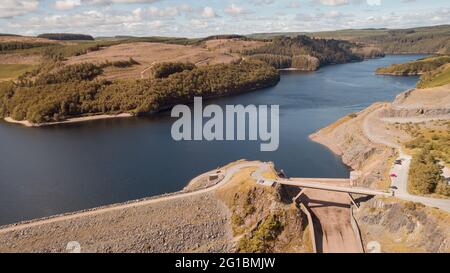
(199, 18)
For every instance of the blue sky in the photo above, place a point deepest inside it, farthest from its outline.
(206, 17)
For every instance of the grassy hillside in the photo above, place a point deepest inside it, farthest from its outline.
(12, 71)
(435, 70)
(53, 50)
(434, 39)
(415, 67)
(62, 50)
(13, 46)
(438, 77)
(158, 39)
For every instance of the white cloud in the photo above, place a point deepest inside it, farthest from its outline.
(185, 8)
(234, 10)
(109, 2)
(155, 24)
(185, 20)
(295, 4)
(67, 4)
(134, 1)
(374, 2)
(93, 22)
(196, 23)
(262, 2)
(332, 2)
(11, 8)
(332, 17)
(208, 12)
(138, 12)
(165, 12)
(96, 2)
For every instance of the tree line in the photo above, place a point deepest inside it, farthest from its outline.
(165, 69)
(425, 174)
(66, 37)
(307, 52)
(74, 91)
(434, 70)
(302, 62)
(411, 42)
(416, 67)
(12, 46)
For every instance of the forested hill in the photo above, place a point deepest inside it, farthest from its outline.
(434, 39)
(73, 91)
(434, 70)
(417, 67)
(66, 37)
(57, 90)
(306, 53)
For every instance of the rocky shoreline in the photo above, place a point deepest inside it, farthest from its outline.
(346, 139)
(201, 226)
(398, 226)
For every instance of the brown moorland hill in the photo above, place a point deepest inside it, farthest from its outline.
(147, 54)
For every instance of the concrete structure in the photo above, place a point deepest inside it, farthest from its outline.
(354, 176)
(320, 184)
(330, 220)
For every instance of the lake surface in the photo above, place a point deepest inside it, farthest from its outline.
(46, 171)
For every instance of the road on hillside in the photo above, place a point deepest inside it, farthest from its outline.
(401, 181)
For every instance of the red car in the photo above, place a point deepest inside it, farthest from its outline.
(393, 175)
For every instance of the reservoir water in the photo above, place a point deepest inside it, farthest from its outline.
(46, 171)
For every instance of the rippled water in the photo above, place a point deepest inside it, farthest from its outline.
(45, 171)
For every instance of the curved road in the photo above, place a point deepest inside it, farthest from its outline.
(401, 181)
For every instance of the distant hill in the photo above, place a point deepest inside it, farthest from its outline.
(223, 36)
(66, 37)
(7, 34)
(124, 37)
(149, 39)
(434, 39)
(305, 53)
